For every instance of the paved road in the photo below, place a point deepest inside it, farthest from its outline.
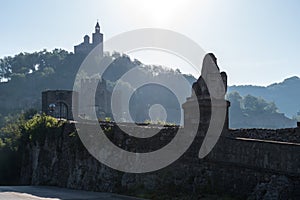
(54, 193)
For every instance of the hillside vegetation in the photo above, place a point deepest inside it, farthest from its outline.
(28, 74)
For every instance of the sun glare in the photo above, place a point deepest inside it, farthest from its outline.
(159, 12)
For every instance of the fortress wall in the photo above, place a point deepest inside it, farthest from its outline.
(236, 166)
(262, 155)
(291, 135)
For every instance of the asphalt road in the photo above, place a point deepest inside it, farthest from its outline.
(54, 193)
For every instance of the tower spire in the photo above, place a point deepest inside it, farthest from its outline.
(97, 27)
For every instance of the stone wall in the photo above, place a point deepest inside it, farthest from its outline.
(61, 100)
(241, 167)
(291, 135)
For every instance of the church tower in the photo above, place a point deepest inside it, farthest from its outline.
(86, 47)
(97, 36)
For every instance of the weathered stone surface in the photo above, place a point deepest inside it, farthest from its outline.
(291, 135)
(236, 166)
(278, 188)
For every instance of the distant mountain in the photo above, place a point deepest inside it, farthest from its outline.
(286, 94)
(255, 112)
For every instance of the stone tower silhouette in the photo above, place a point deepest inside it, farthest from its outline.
(102, 98)
(86, 47)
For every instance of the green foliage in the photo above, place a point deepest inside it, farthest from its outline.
(28, 74)
(39, 126)
(285, 94)
(16, 125)
(72, 134)
(107, 129)
(26, 63)
(255, 112)
(2, 144)
(41, 121)
(159, 122)
(15, 134)
(250, 104)
(10, 133)
(47, 71)
(108, 119)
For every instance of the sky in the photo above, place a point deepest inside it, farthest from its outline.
(256, 42)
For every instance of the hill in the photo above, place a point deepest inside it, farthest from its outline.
(255, 112)
(286, 94)
(29, 74)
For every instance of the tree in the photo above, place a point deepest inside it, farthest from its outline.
(258, 105)
(5, 67)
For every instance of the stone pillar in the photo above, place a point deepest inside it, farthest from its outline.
(198, 107)
(201, 116)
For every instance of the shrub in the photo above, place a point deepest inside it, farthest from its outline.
(39, 126)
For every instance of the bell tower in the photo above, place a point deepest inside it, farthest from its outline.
(97, 28)
(97, 36)
(86, 47)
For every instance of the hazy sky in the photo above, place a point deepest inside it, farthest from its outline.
(256, 42)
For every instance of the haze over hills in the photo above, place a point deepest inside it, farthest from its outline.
(56, 70)
(286, 94)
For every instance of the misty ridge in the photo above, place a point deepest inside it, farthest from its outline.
(26, 75)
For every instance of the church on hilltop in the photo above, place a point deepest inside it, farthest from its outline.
(86, 47)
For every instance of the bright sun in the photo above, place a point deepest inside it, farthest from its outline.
(159, 12)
